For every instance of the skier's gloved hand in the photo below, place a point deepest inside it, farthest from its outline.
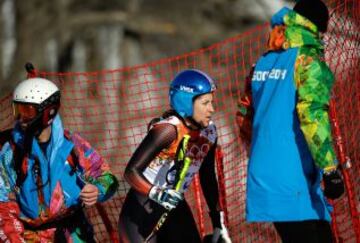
(220, 234)
(333, 184)
(278, 18)
(168, 198)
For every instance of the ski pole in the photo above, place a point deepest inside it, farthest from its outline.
(182, 175)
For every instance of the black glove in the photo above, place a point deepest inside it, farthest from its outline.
(333, 184)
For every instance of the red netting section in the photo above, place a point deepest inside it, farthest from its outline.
(343, 56)
(111, 109)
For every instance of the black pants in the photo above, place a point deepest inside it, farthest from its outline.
(309, 231)
(139, 215)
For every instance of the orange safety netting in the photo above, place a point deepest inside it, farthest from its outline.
(111, 109)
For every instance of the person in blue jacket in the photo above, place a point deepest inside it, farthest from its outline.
(286, 108)
(47, 174)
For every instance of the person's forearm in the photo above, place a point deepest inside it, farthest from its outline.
(315, 125)
(137, 181)
(157, 139)
(245, 113)
(107, 185)
(209, 182)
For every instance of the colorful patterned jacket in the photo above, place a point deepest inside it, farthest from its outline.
(47, 201)
(313, 80)
(291, 141)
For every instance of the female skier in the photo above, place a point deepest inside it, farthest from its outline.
(177, 146)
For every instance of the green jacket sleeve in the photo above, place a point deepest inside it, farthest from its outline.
(314, 82)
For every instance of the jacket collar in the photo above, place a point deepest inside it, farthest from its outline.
(301, 32)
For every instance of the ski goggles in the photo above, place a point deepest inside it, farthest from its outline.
(25, 112)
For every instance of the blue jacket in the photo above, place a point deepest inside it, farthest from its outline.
(291, 136)
(283, 183)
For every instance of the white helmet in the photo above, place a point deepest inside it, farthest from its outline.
(34, 91)
(41, 94)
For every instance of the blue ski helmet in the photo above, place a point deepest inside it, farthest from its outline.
(187, 85)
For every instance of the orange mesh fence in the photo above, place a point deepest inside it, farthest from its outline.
(343, 56)
(111, 109)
